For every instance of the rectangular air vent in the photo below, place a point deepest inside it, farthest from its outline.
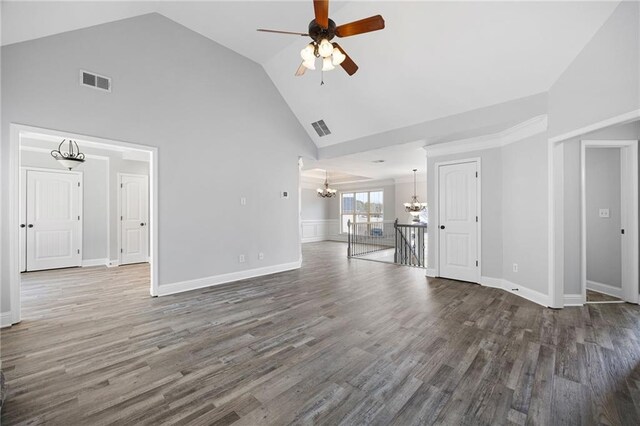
(95, 81)
(321, 128)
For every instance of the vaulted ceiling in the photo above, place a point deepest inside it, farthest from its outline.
(433, 59)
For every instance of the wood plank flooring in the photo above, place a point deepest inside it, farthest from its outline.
(596, 296)
(336, 342)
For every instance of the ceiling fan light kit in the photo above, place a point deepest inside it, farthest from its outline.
(322, 30)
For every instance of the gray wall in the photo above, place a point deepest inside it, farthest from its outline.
(603, 81)
(491, 174)
(571, 198)
(312, 206)
(194, 100)
(603, 190)
(525, 213)
(514, 211)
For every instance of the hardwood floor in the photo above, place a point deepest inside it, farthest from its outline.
(596, 296)
(337, 342)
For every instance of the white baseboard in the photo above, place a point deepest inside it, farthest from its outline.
(314, 239)
(430, 272)
(94, 262)
(527, 293)
(492, 282)
(518, 290)
(573, 300)
(605, 288)
(179, 287)
(6, 319)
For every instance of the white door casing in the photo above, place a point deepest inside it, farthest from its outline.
(458, 221)
(629, 216)
(54, 225)
(134, 218)
(23, 220)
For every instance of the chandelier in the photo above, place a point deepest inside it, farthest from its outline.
(415, 207)
(326, 192)
(71, 158)
(331, 55)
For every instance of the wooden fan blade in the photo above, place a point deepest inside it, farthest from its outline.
(321, 9)
(282, 32)
(348, 65)
(301, 70)
(366, 25)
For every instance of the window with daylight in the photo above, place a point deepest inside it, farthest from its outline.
(360, 206)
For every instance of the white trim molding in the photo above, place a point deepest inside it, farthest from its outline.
(573, 300)
(95, 262)
(431, 273)
(629, 215)
(613, 121)
(313, 230)
(179, 287)
(6, 319)
(496, 140)
(605, 289)
(516, 289)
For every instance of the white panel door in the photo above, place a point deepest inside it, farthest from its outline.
(134, 219)
(458, 227)
(54, 228)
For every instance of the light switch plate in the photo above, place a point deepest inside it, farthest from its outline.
(604, 213)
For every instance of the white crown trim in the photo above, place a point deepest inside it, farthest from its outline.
(496, 140)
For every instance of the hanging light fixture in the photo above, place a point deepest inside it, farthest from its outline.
(415, 207)
(326, 192)
(71, 158)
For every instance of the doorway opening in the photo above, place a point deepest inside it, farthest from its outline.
(609, 221)
(63, 219)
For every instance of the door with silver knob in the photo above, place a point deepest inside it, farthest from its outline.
(134, 216)
(53, 226)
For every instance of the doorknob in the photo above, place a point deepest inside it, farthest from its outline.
(22, 225)
(30, 225)
(441, 226)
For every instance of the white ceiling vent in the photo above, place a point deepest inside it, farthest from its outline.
(95, 81)
(321, 128)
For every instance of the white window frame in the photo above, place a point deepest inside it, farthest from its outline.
(354, 192)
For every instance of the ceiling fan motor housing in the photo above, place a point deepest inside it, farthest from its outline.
(317, 33)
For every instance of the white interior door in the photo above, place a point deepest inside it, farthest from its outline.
(134, 219)
(458, 227)
(53, 212)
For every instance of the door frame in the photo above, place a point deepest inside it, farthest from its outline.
(436, 211)
(24, 170)
(119, 210)
(629, 214)
(16, 131)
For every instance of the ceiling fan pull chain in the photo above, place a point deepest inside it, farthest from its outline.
(321, 78)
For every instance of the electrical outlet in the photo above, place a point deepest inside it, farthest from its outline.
(604, 213)
(515, 267)
(260, 256)
(241, 258)
(243, 201)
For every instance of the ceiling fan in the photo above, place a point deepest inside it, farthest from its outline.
(322, 30)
